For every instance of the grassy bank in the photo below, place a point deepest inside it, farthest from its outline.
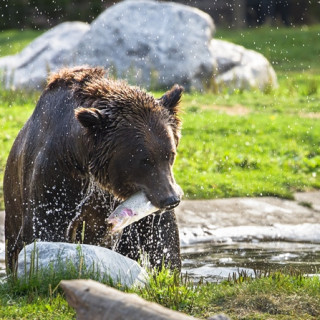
(276, 296)
(234, 144)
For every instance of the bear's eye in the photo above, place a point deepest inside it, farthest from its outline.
(170, 156)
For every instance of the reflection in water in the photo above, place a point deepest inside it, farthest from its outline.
(216, 261)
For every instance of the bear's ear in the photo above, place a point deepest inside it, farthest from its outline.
(170, 100)
(89, 117)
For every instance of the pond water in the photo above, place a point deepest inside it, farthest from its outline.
(215, 261)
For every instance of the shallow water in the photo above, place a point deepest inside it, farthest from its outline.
(218, 259)
(214, 261)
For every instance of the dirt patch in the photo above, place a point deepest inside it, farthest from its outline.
(310, 115)
(236, 110)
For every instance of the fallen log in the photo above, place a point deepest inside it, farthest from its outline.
(95, 301)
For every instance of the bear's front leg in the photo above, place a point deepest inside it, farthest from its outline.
(157, 236)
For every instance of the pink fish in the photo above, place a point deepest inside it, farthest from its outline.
(133, 209)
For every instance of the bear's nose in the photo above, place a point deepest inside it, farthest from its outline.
(170, 202)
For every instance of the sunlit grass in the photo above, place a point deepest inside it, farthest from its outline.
(15, 109)
(13, 41)
(35, 307)
(271, 148)
(277, 296)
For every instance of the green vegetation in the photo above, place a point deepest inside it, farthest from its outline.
(271, 148)
(34, 306)
(15, 109)
(270, 296)
(13, 41)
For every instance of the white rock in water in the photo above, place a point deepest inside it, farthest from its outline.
(49, 52)
(104, 261)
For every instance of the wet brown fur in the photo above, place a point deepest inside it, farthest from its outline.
(95, 91)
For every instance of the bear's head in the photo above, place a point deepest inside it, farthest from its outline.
(134, 139)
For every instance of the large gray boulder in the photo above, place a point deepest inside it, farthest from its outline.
(49, 52)
(151, 43)
(102, 262)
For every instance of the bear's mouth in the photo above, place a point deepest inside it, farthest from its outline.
(172, 206)
(162, 205)
(168, 208)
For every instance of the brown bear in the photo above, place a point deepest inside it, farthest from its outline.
(90, 143)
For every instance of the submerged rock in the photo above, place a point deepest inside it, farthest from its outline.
(102, 262)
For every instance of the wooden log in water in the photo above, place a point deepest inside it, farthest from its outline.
(95, 301)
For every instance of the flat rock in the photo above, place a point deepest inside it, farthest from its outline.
(233, 212)
(309, 199)
(246, 219)
(101, 261)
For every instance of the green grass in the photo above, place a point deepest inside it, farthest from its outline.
(13, 41)
(273, 149)
(15, 108)
(35, 307)
(277, 296)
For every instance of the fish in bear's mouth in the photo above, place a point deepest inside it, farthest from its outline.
(131, 210)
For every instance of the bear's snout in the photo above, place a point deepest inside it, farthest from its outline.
(170, 202)
(167, 197)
